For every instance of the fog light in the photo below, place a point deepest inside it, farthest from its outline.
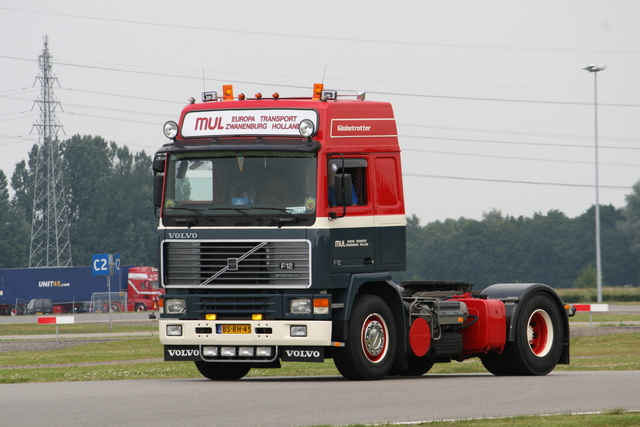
(174, 330)
(298, 330)
(210, 351)
(264, 351)
(227, 351)
(300, 306)
(246, 351)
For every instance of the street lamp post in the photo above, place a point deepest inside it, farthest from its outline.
(595, 68)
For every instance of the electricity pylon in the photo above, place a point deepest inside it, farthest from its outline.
(50, 245)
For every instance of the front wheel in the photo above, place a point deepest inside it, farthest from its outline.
(371, 344)
(223, 371)
(538, 344)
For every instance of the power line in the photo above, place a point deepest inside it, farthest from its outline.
(539, 144)
(331, 38)
(413, 95)
(506, 181)
(488, 156)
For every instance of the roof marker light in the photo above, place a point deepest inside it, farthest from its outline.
(241, 96)
(227, 92)
(258, 95)
(276, 95)
(317, 91)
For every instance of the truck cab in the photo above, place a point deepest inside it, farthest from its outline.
(281, 221)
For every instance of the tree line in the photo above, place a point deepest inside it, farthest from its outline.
(547, 248)
(110, 199)
(109, 192)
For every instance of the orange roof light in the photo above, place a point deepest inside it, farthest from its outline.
(276, 95)
(317, 91)
(227, 92)
(241, 96)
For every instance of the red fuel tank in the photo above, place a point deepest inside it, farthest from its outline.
(489, 331)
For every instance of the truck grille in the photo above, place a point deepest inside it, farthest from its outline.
(237, 264)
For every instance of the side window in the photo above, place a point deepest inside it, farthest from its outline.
(356, 170)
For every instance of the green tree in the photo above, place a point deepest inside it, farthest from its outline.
(14, 245)
(586, 278)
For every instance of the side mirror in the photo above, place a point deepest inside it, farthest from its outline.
(158, 164)
(344, 189)
(157, 190)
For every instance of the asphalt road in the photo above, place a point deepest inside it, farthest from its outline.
(304, 401)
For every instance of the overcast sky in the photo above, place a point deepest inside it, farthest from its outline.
(493, 108)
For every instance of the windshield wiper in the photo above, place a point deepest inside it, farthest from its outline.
(242, 211)
(293, 218)
(190, 221)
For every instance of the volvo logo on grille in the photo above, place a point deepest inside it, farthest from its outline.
(183, 235)
(232, 264)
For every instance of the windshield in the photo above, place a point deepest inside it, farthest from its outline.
(254, 185)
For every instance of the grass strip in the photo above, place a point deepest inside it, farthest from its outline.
(615, 417)
(128, 359)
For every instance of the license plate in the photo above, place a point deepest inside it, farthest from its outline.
(233, 329)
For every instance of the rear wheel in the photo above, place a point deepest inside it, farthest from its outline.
(370, 348)
(418, 366)
(140, 307)
(494, 363)
(538, 344)
(223, 371)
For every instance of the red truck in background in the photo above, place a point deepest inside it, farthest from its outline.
(142, 290)
(281, 220)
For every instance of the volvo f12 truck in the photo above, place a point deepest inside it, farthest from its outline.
(281, 222)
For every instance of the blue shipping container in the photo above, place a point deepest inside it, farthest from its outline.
(59, 284)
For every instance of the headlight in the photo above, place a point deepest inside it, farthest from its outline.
(306, 128)
(170, 129)
(300, 306)
(174, 330)
(175, 306)
(298, 331)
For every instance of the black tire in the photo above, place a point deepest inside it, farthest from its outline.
(494, 363)
(371, 345)
(223, 371)
(418, 366)
(538, 344)
(114, 308)
(140, 307)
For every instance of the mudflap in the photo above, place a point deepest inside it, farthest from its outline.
(182, 353)
(302, 354)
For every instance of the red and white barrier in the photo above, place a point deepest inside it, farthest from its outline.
(55, 320)
(591, 307)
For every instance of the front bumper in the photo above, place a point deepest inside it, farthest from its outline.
(263, 332)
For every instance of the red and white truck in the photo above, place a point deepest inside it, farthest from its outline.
(143, 291)
(281, 220)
